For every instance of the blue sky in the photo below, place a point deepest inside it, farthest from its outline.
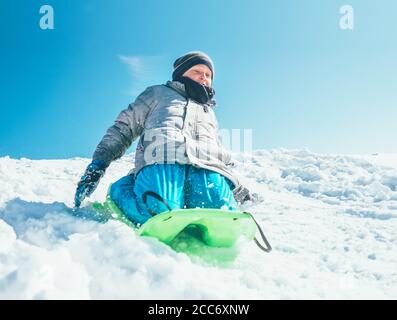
(283, 69)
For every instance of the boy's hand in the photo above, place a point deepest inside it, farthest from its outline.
(89, 181)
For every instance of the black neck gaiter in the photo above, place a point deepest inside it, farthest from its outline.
(196, 91)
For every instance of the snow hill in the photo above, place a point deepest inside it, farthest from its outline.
(331, 219)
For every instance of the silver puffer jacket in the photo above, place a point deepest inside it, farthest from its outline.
(171, 129)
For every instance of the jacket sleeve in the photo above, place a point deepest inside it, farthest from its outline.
(225, 154)
(127, 127)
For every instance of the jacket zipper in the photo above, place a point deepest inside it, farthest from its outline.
(196, 133)
(183, 126)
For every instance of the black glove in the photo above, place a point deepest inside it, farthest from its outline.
(242, 194)
(89, 181)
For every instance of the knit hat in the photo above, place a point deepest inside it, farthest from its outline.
(190, 59)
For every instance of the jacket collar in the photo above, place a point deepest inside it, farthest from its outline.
(180, 88)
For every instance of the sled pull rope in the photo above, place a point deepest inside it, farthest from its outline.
(157, 197)
(268, 247)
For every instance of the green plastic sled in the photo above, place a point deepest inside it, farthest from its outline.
(214, 227)
(218, 228)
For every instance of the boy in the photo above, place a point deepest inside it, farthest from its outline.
(178, 156)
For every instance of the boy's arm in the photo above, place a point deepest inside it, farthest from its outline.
(226, 155)
(127, 127)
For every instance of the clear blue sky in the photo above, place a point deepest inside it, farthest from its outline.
(283, 68)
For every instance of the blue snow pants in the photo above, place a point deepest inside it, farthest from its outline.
(181, 186)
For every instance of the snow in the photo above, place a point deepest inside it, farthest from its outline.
(331, 220)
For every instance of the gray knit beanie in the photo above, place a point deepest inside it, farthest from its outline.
(190, 59)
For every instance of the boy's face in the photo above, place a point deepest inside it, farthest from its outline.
(200, 73)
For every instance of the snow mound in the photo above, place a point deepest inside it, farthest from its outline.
(330, 218)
